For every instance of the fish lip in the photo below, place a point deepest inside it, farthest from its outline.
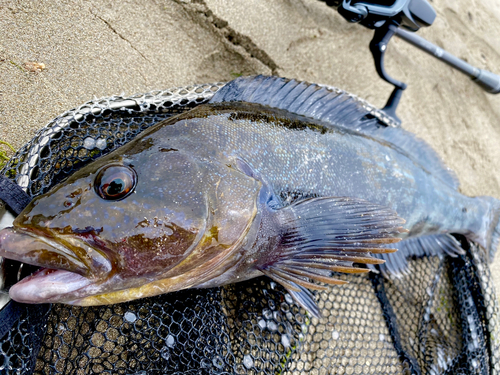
(43, 287)
(53, 282)
(73, 262)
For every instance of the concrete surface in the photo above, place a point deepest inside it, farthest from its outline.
(57, 55)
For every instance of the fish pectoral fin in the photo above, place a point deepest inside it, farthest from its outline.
(431, 245)
(305, 299)
(319, 236)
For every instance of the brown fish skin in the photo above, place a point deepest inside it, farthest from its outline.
(178, 219)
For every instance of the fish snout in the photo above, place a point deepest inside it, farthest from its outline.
(70, 254)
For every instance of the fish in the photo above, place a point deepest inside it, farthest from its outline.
(273, 176)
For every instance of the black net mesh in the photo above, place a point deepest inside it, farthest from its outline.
(439, 318)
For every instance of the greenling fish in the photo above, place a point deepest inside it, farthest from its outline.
(272, 177)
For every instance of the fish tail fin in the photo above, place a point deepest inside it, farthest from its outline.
(491, 239)
(485, 229)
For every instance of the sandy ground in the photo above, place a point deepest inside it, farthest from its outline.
(99, 48)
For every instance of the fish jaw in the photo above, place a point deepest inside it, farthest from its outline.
(27, 247)
(66, 268)
(48, 286)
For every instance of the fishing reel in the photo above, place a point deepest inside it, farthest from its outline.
(391, 17)
(374, 14)
(385, 16)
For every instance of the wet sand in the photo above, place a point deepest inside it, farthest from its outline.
(99, 48)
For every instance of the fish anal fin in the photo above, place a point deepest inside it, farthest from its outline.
(430, 245)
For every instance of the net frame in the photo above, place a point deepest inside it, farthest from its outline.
(372, 325)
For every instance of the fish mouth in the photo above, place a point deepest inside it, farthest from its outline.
(48, 286)
(68, 264)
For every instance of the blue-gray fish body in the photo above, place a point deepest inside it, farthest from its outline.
(272, 177)
(298, 159)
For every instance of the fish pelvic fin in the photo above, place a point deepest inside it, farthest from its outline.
(319, 236)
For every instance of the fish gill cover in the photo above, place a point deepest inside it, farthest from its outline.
(440, 317)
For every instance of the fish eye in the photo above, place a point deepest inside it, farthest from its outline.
(115, 182)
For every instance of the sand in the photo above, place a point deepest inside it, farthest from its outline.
(56, 55)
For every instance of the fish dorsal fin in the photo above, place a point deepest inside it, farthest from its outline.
(334, 108)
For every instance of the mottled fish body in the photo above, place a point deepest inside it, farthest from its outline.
(272, 177)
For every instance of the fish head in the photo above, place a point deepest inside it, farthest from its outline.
(128, 220)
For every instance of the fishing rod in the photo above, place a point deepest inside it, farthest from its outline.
(392, 17)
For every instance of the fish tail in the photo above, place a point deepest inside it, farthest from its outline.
(490, 236)
(495, 228)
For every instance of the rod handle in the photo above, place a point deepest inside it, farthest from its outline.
(489, 81)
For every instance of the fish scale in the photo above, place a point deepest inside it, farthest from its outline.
(326, 162)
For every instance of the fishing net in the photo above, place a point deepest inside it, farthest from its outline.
(439, 318)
